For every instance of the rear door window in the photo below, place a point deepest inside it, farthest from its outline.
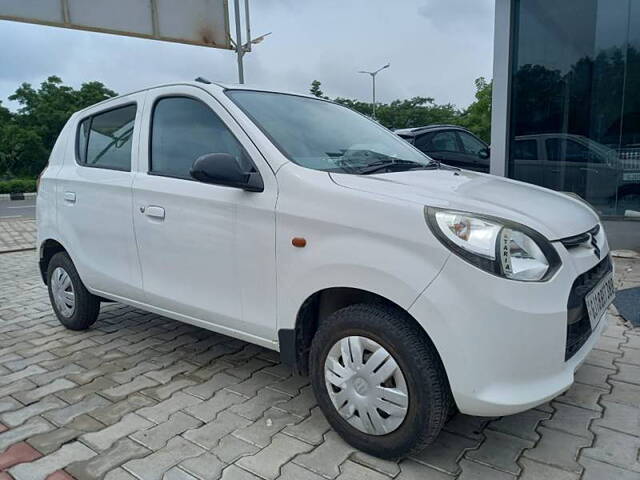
(104, 139)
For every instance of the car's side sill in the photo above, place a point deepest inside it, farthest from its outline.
(263, 342)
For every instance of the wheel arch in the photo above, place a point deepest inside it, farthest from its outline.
(296, 342)
(48, 248)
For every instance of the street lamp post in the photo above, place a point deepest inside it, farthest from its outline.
(373, 81)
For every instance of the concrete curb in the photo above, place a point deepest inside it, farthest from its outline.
(7, 196)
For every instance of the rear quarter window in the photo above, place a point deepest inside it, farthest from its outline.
(104, 139)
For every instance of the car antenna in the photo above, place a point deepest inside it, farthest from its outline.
(203, 80)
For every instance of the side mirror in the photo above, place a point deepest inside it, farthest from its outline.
(484, 153)
(225, 169)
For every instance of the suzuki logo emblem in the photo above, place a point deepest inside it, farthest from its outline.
(594, 244)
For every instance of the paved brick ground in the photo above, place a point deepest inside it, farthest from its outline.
(17, 234)
(141, 396)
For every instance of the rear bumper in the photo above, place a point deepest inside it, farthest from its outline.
(504, 343)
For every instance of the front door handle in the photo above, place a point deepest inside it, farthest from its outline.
(70, 197)
(154, 211)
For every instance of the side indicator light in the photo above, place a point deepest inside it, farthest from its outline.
(299, 242)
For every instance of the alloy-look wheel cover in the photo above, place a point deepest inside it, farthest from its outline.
(366, 385)
(63, 293)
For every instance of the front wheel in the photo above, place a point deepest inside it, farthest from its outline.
(379, 380)
(73, 304)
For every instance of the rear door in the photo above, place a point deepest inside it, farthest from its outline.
(94, 197)
(207, 251)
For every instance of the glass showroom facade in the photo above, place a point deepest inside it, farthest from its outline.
(572, 99)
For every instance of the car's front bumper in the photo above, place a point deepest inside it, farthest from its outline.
(503, 343)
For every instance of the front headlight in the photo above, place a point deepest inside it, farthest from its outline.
(498, 246)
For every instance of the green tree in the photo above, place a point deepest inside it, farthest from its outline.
(315, 89)
(27, 137)
(477, 117)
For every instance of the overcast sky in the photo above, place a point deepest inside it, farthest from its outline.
(436, 49)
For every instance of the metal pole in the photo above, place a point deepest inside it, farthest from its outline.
(373, 77)
(239, 47)
(248, 22)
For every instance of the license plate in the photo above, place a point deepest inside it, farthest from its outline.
(631, 177)
(599, 299)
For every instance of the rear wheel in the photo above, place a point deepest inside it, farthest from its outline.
(75, 307)
(379, 380)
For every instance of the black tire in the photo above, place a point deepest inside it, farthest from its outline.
(428, 388)
(87, 305)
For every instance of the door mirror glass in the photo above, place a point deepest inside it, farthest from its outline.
(225, 169)
(484, 153)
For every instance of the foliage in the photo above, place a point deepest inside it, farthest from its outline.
(27, 136)
(315, 89)
(421, 111)
(477, 117)
(18, 185)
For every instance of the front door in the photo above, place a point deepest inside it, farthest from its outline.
(207, 251)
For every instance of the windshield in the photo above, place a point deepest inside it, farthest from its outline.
(325, 136)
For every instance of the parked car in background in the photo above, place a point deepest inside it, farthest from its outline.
(403, 287)
(561, 161)
(450, 144)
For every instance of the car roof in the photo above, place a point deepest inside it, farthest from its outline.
(415, 131)
(213, 87)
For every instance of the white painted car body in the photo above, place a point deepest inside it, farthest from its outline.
(222, 258)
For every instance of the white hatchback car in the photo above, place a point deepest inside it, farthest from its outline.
(404, 288)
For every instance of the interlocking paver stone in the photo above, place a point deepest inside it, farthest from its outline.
(522, 425)
(32, 427)
(310, 430)
(153, 466)
(210, 434)
(209, 409)
(558, 449)
(156, 437)
(411, 470)
(262, 430)
(36, 394)
(52, 440)
(161, 412)
(64, 415)
(582, 395)
(261, 420)
(103, 439)
(501, 451)
(445, 453)
(476, 471)
(594, 470)
(255, 407)
(541, 471)
(206, 466)
(113, 413)
(570, 419)
(40, 468)
(121, 452)
(16, 417)
(216, 383)
(235, 473)
(353, 471)
(268, 462)
(326, 458)
(615, 448)
(620, 417)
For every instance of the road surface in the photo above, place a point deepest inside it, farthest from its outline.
(18, 208)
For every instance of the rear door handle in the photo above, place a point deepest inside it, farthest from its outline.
(70, 197)
(154, 211)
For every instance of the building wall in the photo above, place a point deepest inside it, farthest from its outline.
(567, 99)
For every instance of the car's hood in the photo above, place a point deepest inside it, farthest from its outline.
(553, 214)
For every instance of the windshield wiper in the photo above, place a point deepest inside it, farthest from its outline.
(392, 163)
